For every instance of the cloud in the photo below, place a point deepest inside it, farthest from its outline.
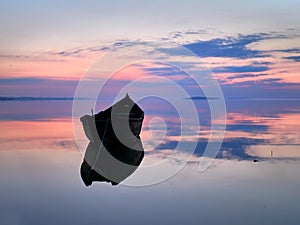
(258, 90)
(35, 58)
(230, 47)
(290, 50)
(295, 58)
(240, 69)
(71, 52)
(36, 81)
(263, 63)
(122, 44)
(271, 82)
(247, 75)
(231, 50)
(247, 127)
(160, 69)
(275, 83)
(32, 86)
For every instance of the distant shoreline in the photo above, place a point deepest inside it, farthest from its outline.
(40, 98)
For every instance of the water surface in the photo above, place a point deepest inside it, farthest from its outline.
(41, 184)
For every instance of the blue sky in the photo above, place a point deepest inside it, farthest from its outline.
(29, 24)
(46, 46)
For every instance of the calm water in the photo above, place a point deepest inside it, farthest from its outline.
(41, 184)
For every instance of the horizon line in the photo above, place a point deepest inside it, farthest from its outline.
(195, 98)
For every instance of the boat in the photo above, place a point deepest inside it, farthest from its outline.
(115, 150)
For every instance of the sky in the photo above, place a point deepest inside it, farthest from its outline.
(252, 48)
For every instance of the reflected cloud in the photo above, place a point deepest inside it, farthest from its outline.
(38, 110)
(28, 135)
(255, 130)
(274, 151)
(247, 134)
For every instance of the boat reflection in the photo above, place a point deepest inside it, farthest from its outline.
(115, 150)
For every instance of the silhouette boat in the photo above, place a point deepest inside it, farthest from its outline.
(115, 150)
